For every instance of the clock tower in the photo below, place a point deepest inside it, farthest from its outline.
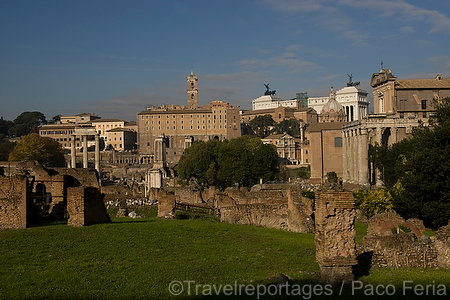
(192, 91)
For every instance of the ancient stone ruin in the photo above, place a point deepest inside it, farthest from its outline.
(335, 235)
(394, 242)
(277, 206)
(33, 192)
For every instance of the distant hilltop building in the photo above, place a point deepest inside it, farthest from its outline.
(269, 101)
(166, 131)
(279, 109)
(352, 98)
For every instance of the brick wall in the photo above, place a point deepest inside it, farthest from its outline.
(15, 202)
(85, 206)
(166, 204)
(335, 235)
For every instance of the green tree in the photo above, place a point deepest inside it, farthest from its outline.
(200, 162)
(290, 126)
(45, 150)
(5, 125)
(243, 161)
(422, 170)
(262, 125)
(26, 123)
(55, 120)
(5, 148)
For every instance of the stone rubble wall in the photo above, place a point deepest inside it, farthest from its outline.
(382, 247)
(257, 214)
(283, 208)
(442, 246)
(398, 251)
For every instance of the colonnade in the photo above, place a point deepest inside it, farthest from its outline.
(84, 133)
(356, 155)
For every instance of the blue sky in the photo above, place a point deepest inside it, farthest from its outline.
(114, 57)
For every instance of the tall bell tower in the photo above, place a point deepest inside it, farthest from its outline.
(192, 91)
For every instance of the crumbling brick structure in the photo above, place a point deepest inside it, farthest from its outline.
(15, 201)
(35, 191)
(335, 235)
(386, 245)
(166, 204)
(272, 206)
(85, 206)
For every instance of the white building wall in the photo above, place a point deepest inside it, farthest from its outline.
(353, 99)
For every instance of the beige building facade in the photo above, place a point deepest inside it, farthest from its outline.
(121, 139)
(166, 131)
(399, 105)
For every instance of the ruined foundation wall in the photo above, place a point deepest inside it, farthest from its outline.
(15, 202)
(384, 247)
(398, 251)
(266, 215)
(442, 246)
(299, 211)
(186, 194)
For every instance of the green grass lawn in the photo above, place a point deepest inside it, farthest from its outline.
(138, 259)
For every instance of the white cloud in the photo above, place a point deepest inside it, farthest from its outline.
(407, 29)
(356, 37)
(422, 43)
(387, 8)
(289, 60)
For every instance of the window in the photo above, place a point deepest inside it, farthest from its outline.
(424, 114)
(424, 104)
(402, 115)
(338, 142)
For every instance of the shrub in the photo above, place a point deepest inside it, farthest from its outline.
(373, 202)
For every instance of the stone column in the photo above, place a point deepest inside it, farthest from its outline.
(85, 152)
(393, 139)
(73, 154)
(97, 154)
(353, 156)
(379, 132)
(363, 158)
(345, 158)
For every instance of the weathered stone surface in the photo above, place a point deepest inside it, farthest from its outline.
(335, 235)
(85, 206)
(258, 214)
(122, 212)
(276, 207)
(382, 224)
(442, 246)
(15, 202)
(49, 192)
(135, 215)
(166, 204)
(398, 250)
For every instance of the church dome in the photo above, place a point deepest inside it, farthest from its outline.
(332, 106)
(332, 111)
